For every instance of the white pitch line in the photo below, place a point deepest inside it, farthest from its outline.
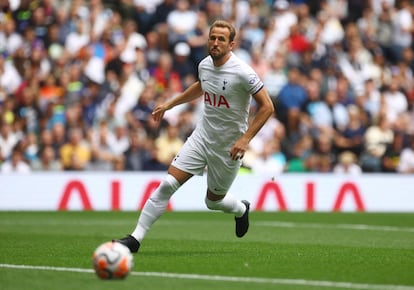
(278, 281)
(360, 227)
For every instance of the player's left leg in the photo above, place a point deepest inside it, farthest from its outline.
(220, 176)
(229, 204)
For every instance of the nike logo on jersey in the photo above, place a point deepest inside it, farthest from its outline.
(215, 101)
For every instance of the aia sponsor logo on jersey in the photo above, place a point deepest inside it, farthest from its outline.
(215, 100)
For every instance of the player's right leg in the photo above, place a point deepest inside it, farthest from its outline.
(155, 206)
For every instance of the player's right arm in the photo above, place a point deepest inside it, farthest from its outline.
(191, 93)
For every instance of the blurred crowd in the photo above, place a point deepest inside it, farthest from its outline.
(79, 80)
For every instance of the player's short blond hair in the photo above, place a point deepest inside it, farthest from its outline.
(225, 24)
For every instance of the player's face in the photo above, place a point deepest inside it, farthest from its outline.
(219, 44)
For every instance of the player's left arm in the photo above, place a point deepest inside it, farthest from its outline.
(266, 110)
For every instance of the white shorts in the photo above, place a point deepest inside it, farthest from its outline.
(195, 156)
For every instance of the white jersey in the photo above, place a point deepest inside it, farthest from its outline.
(227, 92)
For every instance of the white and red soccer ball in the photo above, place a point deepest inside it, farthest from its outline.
(112, 260)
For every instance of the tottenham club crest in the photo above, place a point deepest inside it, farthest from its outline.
(224, 84)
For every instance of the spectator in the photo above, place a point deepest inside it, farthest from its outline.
(71, 80)
(354, 65)
(166, 78)
(406, 162)
(384, 31)
(16, 163)
(137, 152)
(291, 98)
(347, 164)
(376, 139)
(283, 19)
(351, 138)
(402, 29)
(329, 114)
(162, 10)
(10, 79)
(323, 164)
(253, 32)
(196, 39)
(258, 63)
(324, 147)
(30, 147)
(297, 45)
(276, 77)
(307, 114)
(140, 114)
(395, 101)
(181, 22)
(11, 40)
(183, 65)
(78, 38)
(410, 112)
(132, 38)
(75, 65)
(307, 23)
(49, 92)
(391, 157)
(271, 160)
(29, 111)
(130, 85)
(58, 135)
(331, 30)
(92, 97)
(76, 153)
(143, 12)
(345, 91)
(102, 155)
(118, 142)
(8, 140)
(47, 160)
(168, 144)
(151, 161)
(185, 122)
(301, 155)
(39, 23)
(368, 23)
(370, 99)
(153, 50)
(269, 132)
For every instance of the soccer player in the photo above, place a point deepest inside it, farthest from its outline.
(220, 139)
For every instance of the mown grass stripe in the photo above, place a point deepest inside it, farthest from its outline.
(279, 281)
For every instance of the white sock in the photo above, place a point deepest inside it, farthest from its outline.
(155, 206)
(229, 204)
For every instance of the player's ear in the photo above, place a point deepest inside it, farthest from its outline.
(231, 45)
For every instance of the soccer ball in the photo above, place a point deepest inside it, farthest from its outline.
(112, 260)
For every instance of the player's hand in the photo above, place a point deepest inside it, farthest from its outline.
(158, 112)
(239, 148)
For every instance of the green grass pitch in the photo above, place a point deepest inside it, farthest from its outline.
(187, 250)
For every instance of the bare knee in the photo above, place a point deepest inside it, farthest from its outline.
(178, 174)
(213, 201)
(212, 196)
